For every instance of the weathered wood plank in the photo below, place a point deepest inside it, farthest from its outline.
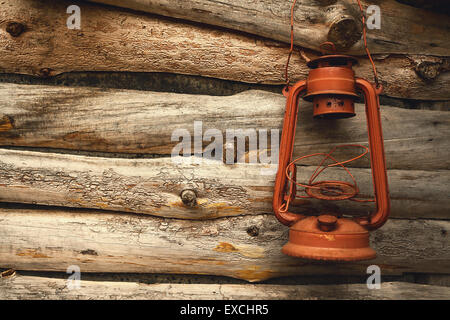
(154, 186)
(32, 287)
(52, 240)
(140, 122)
(315, 22)
(116, 40)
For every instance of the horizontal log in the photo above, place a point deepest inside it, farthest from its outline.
(155, 186)
(32, 287)
(403, 29)
(138, 122)
(111, 39)
(52, 240)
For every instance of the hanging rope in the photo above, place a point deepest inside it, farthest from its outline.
(374, 69)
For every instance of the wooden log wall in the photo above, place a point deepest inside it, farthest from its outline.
(117, 40)
(316, 21)
(111, 199)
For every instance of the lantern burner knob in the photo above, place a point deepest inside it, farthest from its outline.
(327, 222)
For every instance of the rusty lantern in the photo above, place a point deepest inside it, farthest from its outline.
(332, 88)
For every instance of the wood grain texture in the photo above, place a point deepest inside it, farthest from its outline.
(154, 186)
(32, 288)
(112, 39)
(137, 122)
(52, 240)
(403, 29)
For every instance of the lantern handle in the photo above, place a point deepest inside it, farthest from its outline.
(377, 157)
(281, 199)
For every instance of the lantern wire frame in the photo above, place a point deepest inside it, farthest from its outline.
(327, 189)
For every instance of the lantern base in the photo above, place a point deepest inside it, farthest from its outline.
(328, 254)
(329, 238)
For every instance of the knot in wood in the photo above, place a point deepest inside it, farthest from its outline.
(428, 70)
(253, 231)
(189, 197)
(344, 32)
(6, 123)
(15, 29)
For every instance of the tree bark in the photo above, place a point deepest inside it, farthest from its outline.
(116, 40)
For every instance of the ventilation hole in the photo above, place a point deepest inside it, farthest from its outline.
(329, 104)
(341, 103)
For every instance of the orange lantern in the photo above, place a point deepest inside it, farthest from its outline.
(332, 88)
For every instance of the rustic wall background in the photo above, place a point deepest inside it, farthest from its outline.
(86, 177)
